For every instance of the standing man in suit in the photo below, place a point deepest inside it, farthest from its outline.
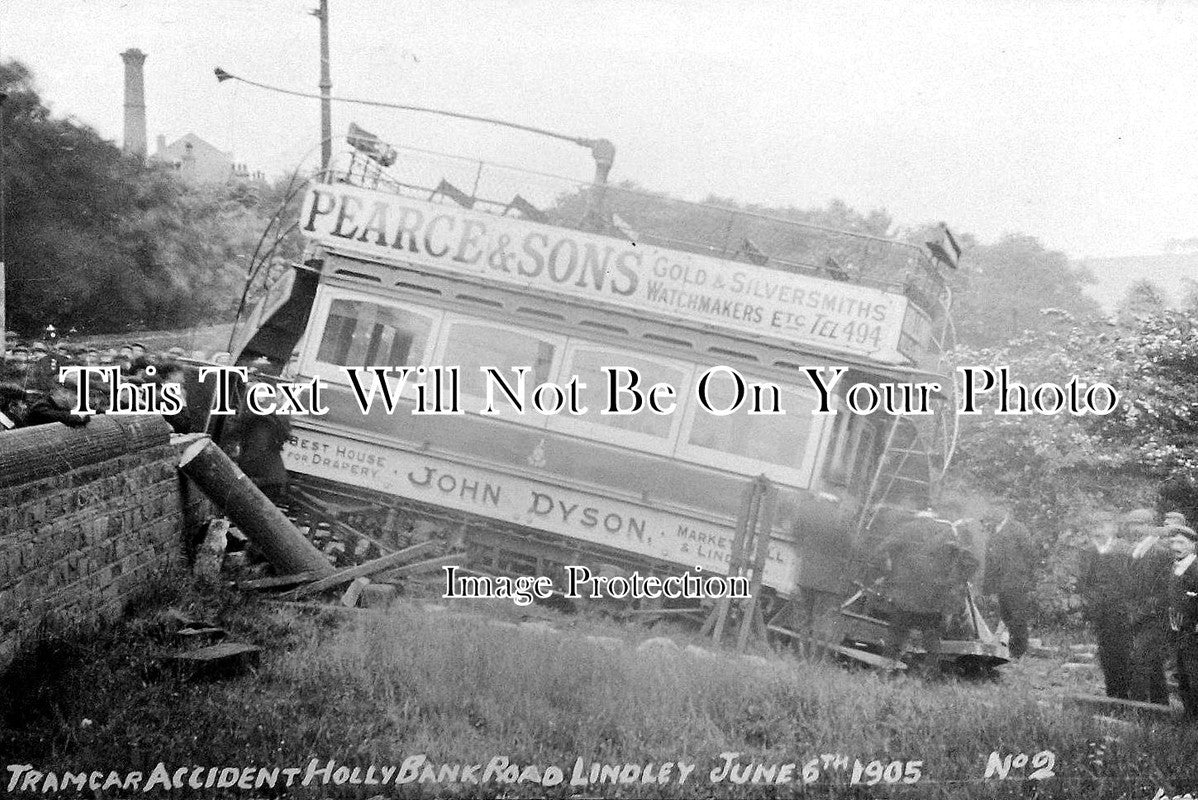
(1103, 580)
(1148, 603)
(926, 563)
(1183, 612)
(1008, 574)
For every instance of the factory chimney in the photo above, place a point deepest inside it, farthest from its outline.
(135, 102)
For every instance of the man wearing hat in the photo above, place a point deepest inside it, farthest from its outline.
(13, 404)
(927, 563)
(16, 365)
(40, 373)
(1183, 611)
(1148, 601)
(1008, 574)
(56, 407)
(1102, 581)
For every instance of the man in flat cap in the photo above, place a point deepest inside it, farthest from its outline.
(927, 562)
(56, 407)
(1008, 574)
(13, 404)
(1148, 601)
(1102, 581)
(1183, 611)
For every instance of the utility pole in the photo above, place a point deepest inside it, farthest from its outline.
(3, 319)
(326, 88)
(602, 150)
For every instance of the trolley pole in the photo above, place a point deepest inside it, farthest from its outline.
(326, 88)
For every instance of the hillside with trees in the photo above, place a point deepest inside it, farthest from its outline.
(102, 242)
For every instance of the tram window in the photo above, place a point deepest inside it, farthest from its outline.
(779, 439)
(359, 333)
(839, 460)
(864, 457)
(851, 451)
(473, 345)
(587, 363)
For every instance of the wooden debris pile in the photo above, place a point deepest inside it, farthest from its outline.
(201, 650)
(301, 569)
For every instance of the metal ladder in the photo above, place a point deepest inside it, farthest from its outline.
(750, 549)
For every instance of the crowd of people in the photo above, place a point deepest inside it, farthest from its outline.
(31, 393)
(926, 563)
(1139, 583)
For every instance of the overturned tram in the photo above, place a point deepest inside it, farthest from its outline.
(578, 374)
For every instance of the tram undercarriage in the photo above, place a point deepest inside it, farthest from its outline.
(352, 525)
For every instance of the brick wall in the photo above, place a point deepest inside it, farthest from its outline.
(87, 517)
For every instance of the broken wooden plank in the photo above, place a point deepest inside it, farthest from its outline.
(311, 605)
(361, 570)
(312, 506)
(423, 566)
(866, 657)
(278, 581)
(787, 632)
(1105, 704)
(213, 632)
(354, 591)
(226, 658)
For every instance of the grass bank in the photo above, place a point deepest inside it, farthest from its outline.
(372, 689)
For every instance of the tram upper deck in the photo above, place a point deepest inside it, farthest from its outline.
(812, 289)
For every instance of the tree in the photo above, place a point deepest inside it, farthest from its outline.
(1189, 295)
(1004, 289)
(1143, 299)
(1057, 469)
(103, 242)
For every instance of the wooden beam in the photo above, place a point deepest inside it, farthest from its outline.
(277, 581)
(226, 658)
(311, 505)
(1102, 703)
(242, 502)
(361, 570)
(449, 559)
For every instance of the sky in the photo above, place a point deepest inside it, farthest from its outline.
(1072, 121)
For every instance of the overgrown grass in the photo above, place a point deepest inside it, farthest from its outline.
(375, 689)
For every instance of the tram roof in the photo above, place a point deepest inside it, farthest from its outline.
(699, 265)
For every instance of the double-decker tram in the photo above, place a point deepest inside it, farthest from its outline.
(515, 315)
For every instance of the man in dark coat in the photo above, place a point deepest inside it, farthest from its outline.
(1148, 601)
(926, 565)
(260, 440)
(1103, 579)
(13, 406)
(1009, 561)
(1183, 612)
(56, 407)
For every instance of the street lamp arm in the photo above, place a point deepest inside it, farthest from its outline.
(601, 149)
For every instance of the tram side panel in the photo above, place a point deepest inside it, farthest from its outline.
(585, 493)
